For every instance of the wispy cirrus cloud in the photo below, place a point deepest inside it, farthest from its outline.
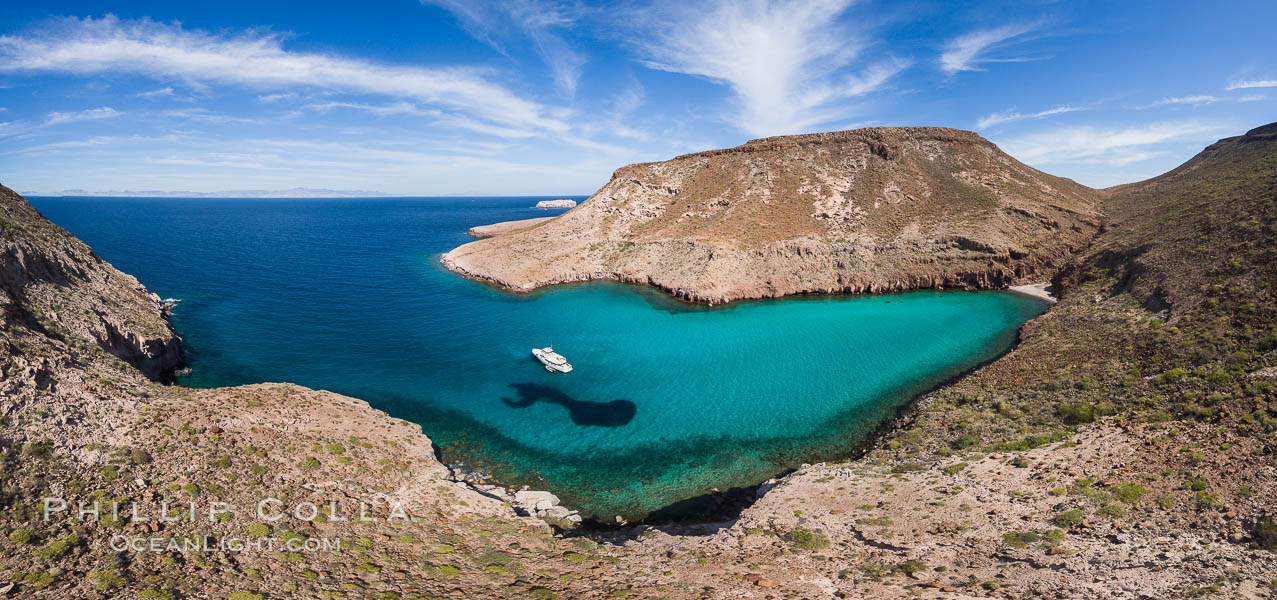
(91, 114)
(1014, 115)
(788, 63)
(1251, 83)
(259, 61)
(203, 114)
(969, 50)
(541, 22)
(437, 116)
(1111, 146)
(164, 92)
(1183, 100)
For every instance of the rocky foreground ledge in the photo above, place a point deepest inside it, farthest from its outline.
(863, 211)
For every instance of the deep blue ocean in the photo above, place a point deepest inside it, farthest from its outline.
(667, 399)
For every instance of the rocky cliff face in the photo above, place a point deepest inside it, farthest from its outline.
(54, 282)
(869, 210)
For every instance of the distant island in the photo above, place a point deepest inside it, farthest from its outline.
(561, 203)
(297, 192)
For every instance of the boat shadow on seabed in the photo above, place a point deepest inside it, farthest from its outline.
(583, 412)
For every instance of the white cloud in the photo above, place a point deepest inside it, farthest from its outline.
(966, 52)
(1255, 98)
(1116, 147)
(540, 21)
(271, 98)
(90, 142)
(162, 92)
(257, 60)
(786, 61)
(1012, 115)
(437, 116)
(105, 112)
(1255, 83)
(203, 114)
(1190, 100)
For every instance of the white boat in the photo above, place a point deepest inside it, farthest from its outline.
(552, 360)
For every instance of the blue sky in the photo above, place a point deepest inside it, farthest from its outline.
(444, 97)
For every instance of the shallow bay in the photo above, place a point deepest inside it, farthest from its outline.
(667, 399)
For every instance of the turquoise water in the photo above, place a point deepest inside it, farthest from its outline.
(667, 399)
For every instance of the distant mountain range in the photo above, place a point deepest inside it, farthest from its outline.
(298, 192)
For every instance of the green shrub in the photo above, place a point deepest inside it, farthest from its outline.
(57, 548)
(40, 449)
(1128, 492)
(259, 530)
(1020, 539)
(1076, 413)
(37, 581)
(807, 539)
(22, 535)
(1266, 534)
(111, 521)
(105, 580)
(245, 596)
(911, 567)
(154, 594)
(964, 441)
(448, 571)
(1069, 518)
(139, 456)
(1112, 510)
(1219, 377)
(1172, 375)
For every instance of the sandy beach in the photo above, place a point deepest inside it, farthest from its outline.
(1037, 290)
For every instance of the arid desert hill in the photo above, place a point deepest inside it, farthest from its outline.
(868, 210)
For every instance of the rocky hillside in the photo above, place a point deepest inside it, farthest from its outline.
(868, 210)
(1124, 449)
(54, 283)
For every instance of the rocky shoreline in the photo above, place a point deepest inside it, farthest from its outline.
(504, 227)
(968, 282)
